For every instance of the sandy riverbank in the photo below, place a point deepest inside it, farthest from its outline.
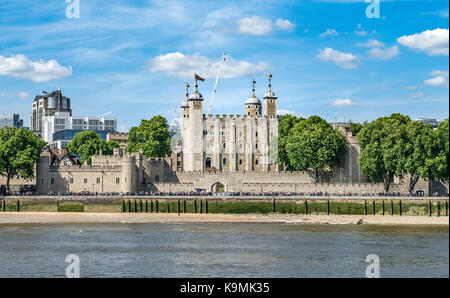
(81, 218)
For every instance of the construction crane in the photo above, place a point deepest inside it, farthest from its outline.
(105, 114)
(213, 94)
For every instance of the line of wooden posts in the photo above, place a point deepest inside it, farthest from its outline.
(145, 207)
(201, 206)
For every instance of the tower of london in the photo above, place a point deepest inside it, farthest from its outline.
(228, 143)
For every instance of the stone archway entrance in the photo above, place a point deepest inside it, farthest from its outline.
(218, 187)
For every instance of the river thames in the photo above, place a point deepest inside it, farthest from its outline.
(223, 250)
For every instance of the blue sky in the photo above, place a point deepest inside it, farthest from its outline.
(132, 58)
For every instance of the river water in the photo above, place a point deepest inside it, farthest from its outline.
(223, 250)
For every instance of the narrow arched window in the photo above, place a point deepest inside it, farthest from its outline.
(224, 161)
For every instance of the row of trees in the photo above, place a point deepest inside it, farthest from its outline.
(390, 146)
(397, 146)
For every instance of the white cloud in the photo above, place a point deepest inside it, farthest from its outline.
(18, 66)
(254, 25)
(433, 42)
(372, 43)
(344, 60)
(416, 95)
(329, 32)
(440, 79)
(346, 102)
(383, 54)
(184, 66)
(20, 95)
(360, 31)
(284, 24)
(289, 112)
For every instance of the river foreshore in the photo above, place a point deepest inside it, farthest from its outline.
(86, 218)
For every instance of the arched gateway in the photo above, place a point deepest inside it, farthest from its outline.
(217, 187)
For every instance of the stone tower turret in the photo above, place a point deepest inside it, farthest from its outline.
(194, 142)
(253, 104)
(270, 101)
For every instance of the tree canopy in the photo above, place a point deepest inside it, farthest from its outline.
(88, 143)
(313, 144)
(285, 125)
(383, 144)
(19, 151)
(152, 136)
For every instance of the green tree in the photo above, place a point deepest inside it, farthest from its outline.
(19, 151)
(88, 143)
(442, 159)
(421, 151)
(355, 128)
(152, 136)
(314, 144)
(383, 143)
(285, 125)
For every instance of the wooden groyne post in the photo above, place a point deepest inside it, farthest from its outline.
(178, 206)
(400, 207)
(146, 206)
(201, 206)
(184, 205)
(273, 205)
(306, 207)
(195, 206)
(430, 211)
(392, 207)
(438, 208)
(383, 206)
(18, 205)
(365, 207)
(328, 207)
(157, 206)
(206, 206)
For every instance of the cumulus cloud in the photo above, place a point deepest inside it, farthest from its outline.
(433, 42)
(329, 32)
(440, 79)
(284, 24)
(289, 112)
(345, 102)
(254, 25)
(383, 54)
(20, 95)
(184, 66)
(19, 66)
(372, 43)
(416, 95)
(360, 31)
(344, 60)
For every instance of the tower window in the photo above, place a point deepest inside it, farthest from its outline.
(224, 161)
(256, 162)
(256, 145)
(98, 180)
(85, 180)
(224, 145)
(240, 161)
(117, 180)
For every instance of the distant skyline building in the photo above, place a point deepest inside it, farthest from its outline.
(51, 119)
(434, 122)
(59, 130)
(48, 104)
(10, 120)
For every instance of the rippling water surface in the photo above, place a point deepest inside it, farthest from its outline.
(223, 250)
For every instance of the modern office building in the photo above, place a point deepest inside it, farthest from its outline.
(10, 120)
(48, 104)
(432, 121)
(58, 130)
